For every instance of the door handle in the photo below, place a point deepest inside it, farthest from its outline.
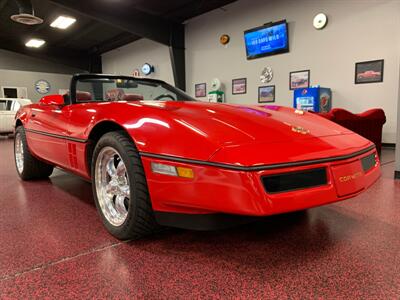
(33, 115)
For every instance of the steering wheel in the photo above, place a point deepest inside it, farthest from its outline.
(165, 96)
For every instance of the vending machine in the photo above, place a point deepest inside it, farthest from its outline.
(317, 99)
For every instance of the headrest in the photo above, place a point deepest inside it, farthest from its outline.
(83, 96)
(80, 95)
(132, 97)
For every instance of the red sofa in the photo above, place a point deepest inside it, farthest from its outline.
(367, 124)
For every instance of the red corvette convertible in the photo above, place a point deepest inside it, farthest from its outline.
(156, 156)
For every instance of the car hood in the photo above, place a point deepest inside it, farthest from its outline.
(315, 148)
(236, 134)
(227, 124)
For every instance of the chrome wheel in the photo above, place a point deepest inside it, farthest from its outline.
(112, 186)
(19, 153)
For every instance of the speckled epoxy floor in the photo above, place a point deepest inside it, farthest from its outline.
(52, 244)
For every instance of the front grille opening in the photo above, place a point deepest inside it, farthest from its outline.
(294, 181)
(368, 162)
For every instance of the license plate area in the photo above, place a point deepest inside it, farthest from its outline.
(348, 178)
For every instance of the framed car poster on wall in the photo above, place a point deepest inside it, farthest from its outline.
(200, 90)
(239, 86)
(299, 79)
(266, 94)
(369, 71)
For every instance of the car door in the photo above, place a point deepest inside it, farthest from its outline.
(47, 133)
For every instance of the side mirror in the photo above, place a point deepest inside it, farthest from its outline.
(52, 100)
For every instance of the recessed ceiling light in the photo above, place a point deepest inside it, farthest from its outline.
(63, 22)
(35, 43)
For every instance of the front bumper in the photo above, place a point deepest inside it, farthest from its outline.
(219, 190)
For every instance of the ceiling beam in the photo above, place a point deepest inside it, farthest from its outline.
(125, 17)
(194, 8)
(71, 58)
(113, 43)
(2, 3)
(177, 57)
(71, 37)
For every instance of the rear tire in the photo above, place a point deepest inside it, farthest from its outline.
(28, 167)
(120, 188)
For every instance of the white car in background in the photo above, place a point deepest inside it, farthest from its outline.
(8, 109)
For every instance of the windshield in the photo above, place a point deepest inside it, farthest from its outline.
(113, 88)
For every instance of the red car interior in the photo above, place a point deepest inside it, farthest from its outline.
(83, 96)
(132, 97)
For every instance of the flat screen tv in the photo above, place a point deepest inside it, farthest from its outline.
(267, 40)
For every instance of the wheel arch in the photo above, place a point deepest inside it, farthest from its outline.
(18, 123)
(95, 135)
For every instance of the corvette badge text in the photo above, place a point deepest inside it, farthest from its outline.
(350, 177)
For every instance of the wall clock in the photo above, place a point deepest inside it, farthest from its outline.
(320, 21)
(147, 69)
(266, 75)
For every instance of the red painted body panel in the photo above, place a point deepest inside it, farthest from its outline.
(221, 133)
(218, 190)
(49, 119)
(262, 153)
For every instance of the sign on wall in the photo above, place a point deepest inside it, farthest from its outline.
(136, 73)
(42, 86)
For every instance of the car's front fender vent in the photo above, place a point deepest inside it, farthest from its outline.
(278, 183)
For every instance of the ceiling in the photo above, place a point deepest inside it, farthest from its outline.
(102, 25)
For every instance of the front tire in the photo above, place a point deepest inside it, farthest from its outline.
(120, 188)
(28, 167)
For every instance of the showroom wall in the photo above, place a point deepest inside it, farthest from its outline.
(358, 30)
(132, 56)
(15, 61)
(18, 70)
